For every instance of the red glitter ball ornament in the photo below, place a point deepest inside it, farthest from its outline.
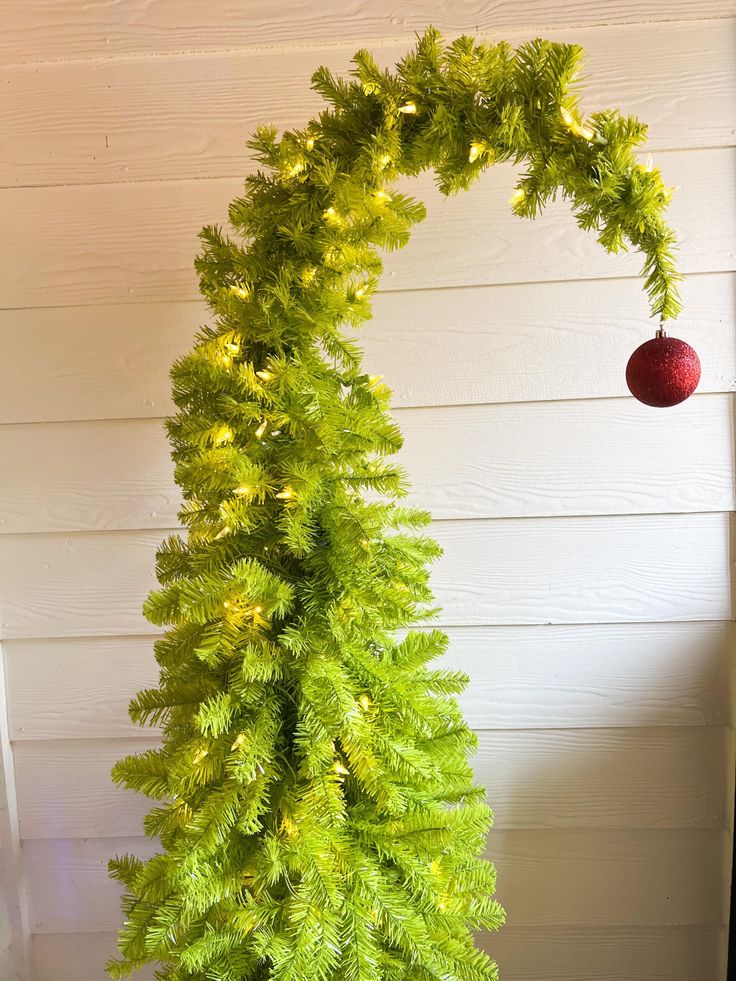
(663, 371)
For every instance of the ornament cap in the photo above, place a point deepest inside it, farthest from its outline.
(661, 332)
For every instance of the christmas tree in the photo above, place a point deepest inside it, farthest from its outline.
(317, 817)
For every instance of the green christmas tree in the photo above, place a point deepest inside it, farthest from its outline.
(318, 818)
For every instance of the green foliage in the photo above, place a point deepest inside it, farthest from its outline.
(316, 811)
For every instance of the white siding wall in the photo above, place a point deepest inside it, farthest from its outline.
(587, 577)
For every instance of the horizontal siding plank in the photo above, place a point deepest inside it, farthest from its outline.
(667, 777)
(82, 957)
(488, 344)
(136, 242)
(132, 119)
(539, 459)
(598, 879)
(523, 954)
(584, 570)
(571, 953)
(537, 570)
(588, 675)
(544, 676)
(607, 877)
(38, 31)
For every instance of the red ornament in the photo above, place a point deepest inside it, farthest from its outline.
(663, 371)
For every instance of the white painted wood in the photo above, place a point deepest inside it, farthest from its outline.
(38, 31)
(543, 570)
(605, 877)
(69, 887)
(512, 343)
(14, 934)
(544, 676)
(592, 675)
(595, 879)
(82, 957)
(530, 459)
(575, 570)
(81, 122)
(114, 243)
(608, 954)
(667, 777)
(523, 953)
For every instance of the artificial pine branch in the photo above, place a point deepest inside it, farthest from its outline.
(318, 818)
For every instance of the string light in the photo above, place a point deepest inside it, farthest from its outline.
(241, 490)
(382, 195)
(261, 429)
(285, 494)
(517, 197)
(296, 169)
(331, 215)
(409, 109)
(200, 755)
(374, 379)
(385, 160)
(230, 349)
(579, 129)
(224, 436)
(289, 827)
(240, 290)
(223, 532)
(264, 375)
(475, 151)
(309, 143)
(240, 741)
(360, 292)
(365, 702)
(342, 770)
